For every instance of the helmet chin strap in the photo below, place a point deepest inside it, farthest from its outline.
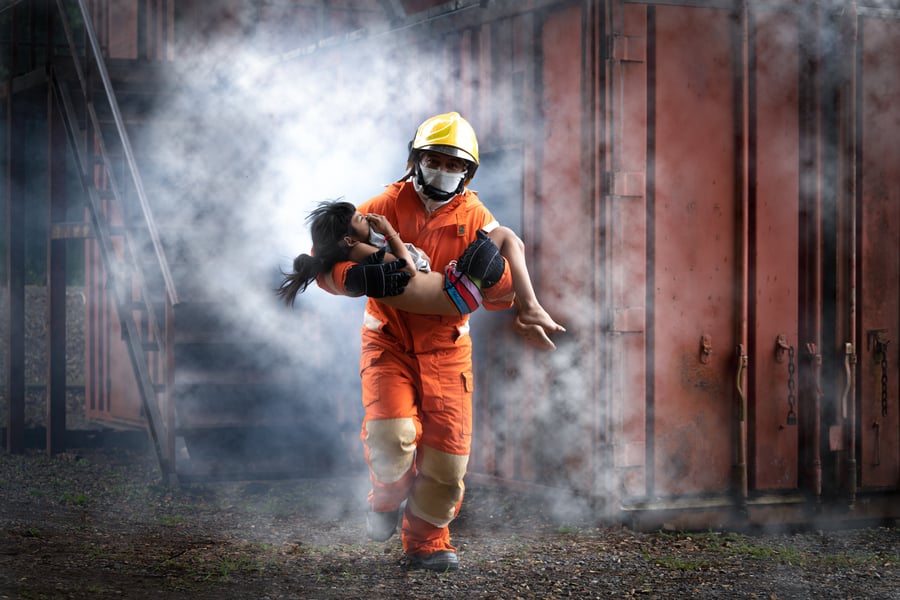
(434, 193)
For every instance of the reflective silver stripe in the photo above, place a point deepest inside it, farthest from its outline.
(371, 323)
(491, 226)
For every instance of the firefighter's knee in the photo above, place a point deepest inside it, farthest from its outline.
(439, 487)
(442, 467)
(391, 447)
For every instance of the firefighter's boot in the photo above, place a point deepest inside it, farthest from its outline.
(380, 526)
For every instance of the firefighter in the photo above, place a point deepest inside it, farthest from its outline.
(416, 369)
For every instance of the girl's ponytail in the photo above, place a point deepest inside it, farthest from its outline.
(306, 269)
(329, 223)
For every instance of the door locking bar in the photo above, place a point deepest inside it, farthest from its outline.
(877, 341)
(781, 348)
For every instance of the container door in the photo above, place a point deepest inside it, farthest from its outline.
(878, 253)
(693, 206)
(774, 349)
(724, 362)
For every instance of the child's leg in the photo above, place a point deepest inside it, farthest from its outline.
(530, 311)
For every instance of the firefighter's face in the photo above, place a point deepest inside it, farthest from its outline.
(443, 162)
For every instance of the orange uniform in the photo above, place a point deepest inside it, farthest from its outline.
(416, 374)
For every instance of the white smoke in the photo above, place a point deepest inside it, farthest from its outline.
(243, 148)
(286, 135)
(249, 146)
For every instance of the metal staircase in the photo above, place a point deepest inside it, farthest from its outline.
(218, 402)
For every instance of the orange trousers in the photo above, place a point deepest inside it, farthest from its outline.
(417, 433)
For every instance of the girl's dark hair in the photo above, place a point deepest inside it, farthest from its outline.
(329, 222)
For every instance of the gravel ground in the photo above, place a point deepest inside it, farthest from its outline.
(99, 524)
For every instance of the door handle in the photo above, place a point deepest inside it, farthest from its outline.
(849, 360)
(742, 363)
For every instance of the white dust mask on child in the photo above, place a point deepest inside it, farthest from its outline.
(441, 180)
(375, 238)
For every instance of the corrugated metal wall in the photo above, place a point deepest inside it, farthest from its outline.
(709, 197)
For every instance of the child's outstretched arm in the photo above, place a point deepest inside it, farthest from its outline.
(532, 320)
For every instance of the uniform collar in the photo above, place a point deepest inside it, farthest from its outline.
(433, 205)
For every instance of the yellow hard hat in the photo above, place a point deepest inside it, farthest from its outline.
(449, 134)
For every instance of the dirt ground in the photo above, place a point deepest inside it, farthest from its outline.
(99, 524)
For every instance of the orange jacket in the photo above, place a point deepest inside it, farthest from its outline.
(443, 235)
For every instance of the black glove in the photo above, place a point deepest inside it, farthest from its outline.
(482, 261)
(377, 279)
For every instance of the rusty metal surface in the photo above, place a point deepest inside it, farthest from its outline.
(774, 260)
(879, 255)
(693, 253)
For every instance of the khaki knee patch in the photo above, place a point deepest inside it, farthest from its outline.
(439, 486)
(443, 467)
(392, 446)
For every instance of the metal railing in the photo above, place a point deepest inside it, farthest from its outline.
(127, 271)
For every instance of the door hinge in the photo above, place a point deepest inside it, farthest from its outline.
(623, 183)
(626, 48)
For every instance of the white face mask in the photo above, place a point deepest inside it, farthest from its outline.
(441, 180)
(376, 239)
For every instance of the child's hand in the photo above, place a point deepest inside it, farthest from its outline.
(380, 224)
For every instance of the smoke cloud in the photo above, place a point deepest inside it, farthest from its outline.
(246, 143)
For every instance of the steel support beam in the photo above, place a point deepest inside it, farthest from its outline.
(56, 281)
(15, 276)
